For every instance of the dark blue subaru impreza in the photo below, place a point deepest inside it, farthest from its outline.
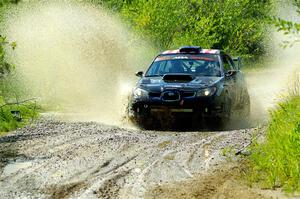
(191, 82)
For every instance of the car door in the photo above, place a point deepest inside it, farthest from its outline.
(230, 80)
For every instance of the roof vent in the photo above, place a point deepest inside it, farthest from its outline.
(190, 49)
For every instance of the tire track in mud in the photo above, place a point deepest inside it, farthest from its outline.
(90, 160)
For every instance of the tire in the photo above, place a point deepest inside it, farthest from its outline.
(244, 116)
(145, 123)
(246, 109)
(220, 122)
(227, 108)
(224, 119)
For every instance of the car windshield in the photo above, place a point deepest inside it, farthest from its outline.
(199, 65)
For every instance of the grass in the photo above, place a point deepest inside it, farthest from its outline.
(3, 134)
(276, 162)
(15, 111)
(8, 121)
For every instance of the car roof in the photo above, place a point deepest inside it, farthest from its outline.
(202, 51)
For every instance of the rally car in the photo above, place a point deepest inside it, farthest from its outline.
(189, 82)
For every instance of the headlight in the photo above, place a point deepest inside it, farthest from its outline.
(206, 92)
(140, 93)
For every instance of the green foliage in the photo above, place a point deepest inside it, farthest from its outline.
(5, 2)
(28, 112)
(275, 163)
(11, 90)
(289, 27)
(235, 25)
(5, 67)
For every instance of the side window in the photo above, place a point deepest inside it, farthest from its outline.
(232, 63)
(227, 63)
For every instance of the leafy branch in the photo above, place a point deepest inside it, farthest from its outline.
(289, 27)
(5, 67)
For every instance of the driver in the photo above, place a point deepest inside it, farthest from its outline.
(209, 68)
(176, 67)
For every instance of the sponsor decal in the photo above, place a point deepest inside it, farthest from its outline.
(181, 57)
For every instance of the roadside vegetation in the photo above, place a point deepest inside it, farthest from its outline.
(237, 26)
(240, 27)
(275, 162)
(14, 113)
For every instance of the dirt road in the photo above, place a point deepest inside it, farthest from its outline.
(53, 159)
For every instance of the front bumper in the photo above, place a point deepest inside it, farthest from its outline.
(204, 106)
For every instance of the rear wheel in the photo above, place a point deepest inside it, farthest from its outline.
(243, 116)
(246, 108)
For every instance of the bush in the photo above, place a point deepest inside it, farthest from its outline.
(9, 121)
(12, 115)
(276, 162)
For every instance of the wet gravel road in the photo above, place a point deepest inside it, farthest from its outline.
(53, 159)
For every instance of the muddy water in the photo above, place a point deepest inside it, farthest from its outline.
(76, 58)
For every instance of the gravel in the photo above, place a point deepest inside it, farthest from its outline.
(55, 159)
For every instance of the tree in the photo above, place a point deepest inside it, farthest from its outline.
(289, 27)
(5, 67)
(238, 26)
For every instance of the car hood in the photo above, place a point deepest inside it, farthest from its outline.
(159, 84)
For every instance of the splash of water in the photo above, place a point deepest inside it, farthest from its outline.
(76, 57)
(79, 59)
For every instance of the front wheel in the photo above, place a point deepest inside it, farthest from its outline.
(225, 117)
(219, 122)
(143, 123)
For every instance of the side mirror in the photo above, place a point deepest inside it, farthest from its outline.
(238, 62)
(230, 73)
(139, 74)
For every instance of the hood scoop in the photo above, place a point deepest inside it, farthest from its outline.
(177, 78)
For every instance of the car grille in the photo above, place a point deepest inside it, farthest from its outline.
(166, 95)
(171, 96)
